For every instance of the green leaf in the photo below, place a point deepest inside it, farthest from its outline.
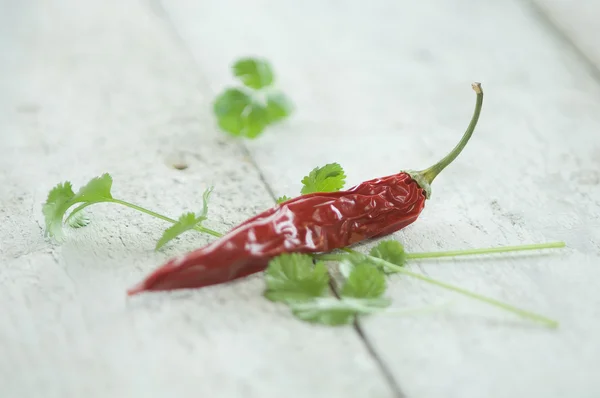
(349, 261)
(360, 295)
(97, 190)
(282, 199)
(329, 178)
(255, 73)
(255, 120)
(278, 107)
(78, 219)
(333, 312)
(60, 198)
(365, 281)
(238, 114)
(186, 222)
(205, 197)
(391, 251)
(293, 277)
(325, 311)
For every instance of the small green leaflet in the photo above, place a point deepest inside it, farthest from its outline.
(255, 73)
(278, 106)
(97, 190)
(186, 222)
(365, 281)
(329, 178)
(62, 197)
(293, 277)
(334, 312)
(282, 199)
(239, 114)
(360, 295)
(391, 251)
(78, 220)
(349, 261)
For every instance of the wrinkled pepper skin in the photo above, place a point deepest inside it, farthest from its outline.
(318, 222)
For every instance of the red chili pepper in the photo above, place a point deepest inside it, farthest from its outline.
(312, 223)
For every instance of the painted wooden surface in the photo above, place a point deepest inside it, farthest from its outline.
(125, 87)
(102, 86)
(575, 22)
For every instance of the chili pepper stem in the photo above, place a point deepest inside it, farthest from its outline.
(425, 177)
(496, 303)
(489, 250)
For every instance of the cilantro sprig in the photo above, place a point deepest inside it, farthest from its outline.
(247, 110)
(186, 222)
(294, 280)
(362, 292)
(98, 190)
(328, 178)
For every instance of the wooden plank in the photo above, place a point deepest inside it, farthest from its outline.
(90, 87)
(385, 87)
(577, 20)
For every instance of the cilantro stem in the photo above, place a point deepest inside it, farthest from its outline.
(198, 228)
(79, 208)
(141, 209)
(416, 310)
(507, 307)
(489, 250)
(164, 218)
(330, 257)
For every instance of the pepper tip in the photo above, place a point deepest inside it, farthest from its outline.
(135, 289)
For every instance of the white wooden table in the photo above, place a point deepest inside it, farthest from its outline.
(125, 87)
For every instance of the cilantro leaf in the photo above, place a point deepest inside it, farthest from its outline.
(60, 198)
(333, 312)
(365, 281)
(329, 178)
(238, 114)
(295, 281)
(391, 251)
(293, 277)
(349, 261)
(97, 190)
(78, 219)
(255, 120)
(246, 111)
(255, 73)
(282, 199)
(186, 222)
(278, 107)
(360, 295)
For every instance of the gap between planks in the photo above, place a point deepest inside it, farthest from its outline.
(157, 8)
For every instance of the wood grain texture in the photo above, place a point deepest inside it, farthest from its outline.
(578, 21)
(93, 87)
(384, 87)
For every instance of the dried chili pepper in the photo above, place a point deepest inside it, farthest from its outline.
(312, 223)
